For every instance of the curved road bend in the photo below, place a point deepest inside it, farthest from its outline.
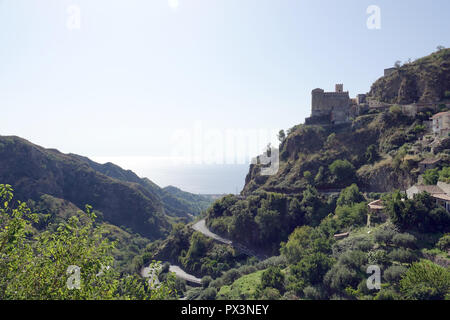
(201, 227)
(180, 273)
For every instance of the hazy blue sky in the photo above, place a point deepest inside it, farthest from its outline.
(138, 71)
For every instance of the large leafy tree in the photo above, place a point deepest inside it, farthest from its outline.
(71, 262)
(426, 281)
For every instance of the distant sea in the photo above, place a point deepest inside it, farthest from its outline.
(194, 178)
(201, 179)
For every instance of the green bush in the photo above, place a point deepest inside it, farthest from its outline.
(206, 280)
(230, 276)
(343, 170)
(425, 281)
(208, 294)
(350, 196)
(394, 273)
(273, 278)
(312, 293)
(444, 242)
(402, 255)
(404, 240)
(270, 294)
(431, 176)
(384, 236)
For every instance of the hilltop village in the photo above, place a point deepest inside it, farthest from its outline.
(334, 108)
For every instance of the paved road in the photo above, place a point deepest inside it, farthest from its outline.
(184, 275)
(180, 273)
(202, 228)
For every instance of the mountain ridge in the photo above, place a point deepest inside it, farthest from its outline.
(121, 196)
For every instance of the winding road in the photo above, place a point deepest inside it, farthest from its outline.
(201, 227)
(180, 273)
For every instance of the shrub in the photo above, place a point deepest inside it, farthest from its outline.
(371, 154)
(312, 268)
(352, 215)
(431, 176)
(444, 175)
(206, 281)
(394, 273)
(273, 278)
(395, 109)
(340, 277)
(353, 259)
(350, 196)
(378, 257)
(208, 294)
(402, 255)
(270, 294)
(230, 276)
(404, 240)
(343, 170)
(425, 281)
(387, 294)
(384, 236)
(444, 242)
(217, 283)
(311, 293)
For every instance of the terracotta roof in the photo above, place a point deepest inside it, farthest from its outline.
(441, 197)
(376, 205)
(440, 114)
(430, 161)
(341, 235)
(430, 189)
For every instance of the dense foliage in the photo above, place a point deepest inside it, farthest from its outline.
(71, 262)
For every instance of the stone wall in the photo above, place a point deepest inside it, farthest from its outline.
(335, 105)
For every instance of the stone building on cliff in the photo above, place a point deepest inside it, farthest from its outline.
(330, 107)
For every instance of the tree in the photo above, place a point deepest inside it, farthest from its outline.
(206, 280)
(312, 268)
(371, 153)
(71, 262)
(308, 176)
(397, 64)
(273, 278)
(319, 176)
(440, 48)
(425, 281)
(421, 213)
(343, 170)
(444, 175)
(281, 136)
(431, 176)
(355, 214)
(331, 140)
(350, 196)
(304, 241)
(208, 294)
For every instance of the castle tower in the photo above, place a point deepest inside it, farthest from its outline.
(339, 88)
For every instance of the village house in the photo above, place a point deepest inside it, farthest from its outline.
(376, 213)
(441, 124)
(440, 192)
(427, 164)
